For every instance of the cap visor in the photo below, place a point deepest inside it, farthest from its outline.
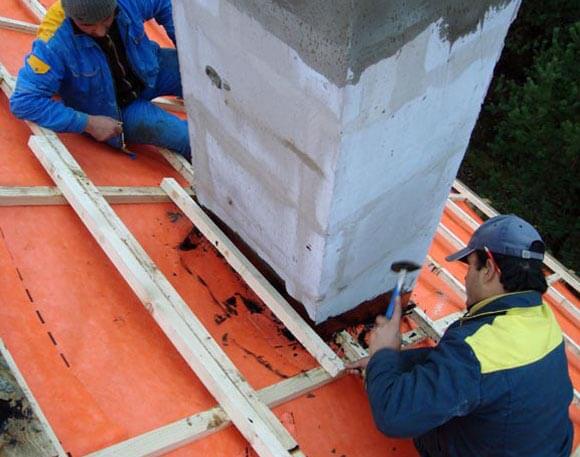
(460, 254)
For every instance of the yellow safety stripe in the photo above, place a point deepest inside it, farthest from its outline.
(51, 21)
(519, 337)
(475, 308)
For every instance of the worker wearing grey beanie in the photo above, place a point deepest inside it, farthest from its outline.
(89, 11)
(89, 54)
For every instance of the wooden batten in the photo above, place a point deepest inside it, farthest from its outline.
(254, 420)
(44, 195)
(269, 295)
(18, 26)
(35, 7)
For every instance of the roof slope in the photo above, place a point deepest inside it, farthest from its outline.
(99, 365)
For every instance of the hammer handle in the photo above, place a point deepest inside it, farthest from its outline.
(396, 293)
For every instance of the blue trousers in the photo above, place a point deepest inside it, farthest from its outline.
(146, 123)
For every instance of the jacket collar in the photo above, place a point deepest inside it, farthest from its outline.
(499, 304)
(80, 38)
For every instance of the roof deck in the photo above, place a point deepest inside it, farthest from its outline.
(98, 363)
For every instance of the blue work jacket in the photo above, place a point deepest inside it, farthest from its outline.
(73, 66)
(497, 384)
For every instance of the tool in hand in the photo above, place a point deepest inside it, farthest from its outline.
(401, 268)
(124, 149)
(132, 155)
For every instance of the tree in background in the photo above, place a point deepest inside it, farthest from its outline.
(525, 148)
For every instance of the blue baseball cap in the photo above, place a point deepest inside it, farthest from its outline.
(507, 235)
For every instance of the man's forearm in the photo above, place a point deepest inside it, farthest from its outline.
(48, 113)
(410, 357)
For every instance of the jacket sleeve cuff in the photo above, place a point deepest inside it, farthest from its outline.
(80, 122)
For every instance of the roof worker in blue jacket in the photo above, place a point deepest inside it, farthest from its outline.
(96, 56)
(497, 383)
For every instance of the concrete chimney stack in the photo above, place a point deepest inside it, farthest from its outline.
(327, 133)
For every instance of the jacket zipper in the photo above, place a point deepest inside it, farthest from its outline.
(110, 41)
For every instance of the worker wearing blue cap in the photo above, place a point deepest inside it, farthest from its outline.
(96, 56)
(497, 383)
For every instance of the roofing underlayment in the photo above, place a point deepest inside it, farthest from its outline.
(101, 368)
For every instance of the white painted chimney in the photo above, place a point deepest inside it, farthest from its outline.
(327, 133)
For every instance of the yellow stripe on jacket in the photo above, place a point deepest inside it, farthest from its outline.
(51, 21)
(517, 338)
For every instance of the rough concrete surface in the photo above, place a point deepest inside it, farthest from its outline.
(341, 38)
(329, 167)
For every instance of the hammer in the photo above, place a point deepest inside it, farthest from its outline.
(401, 268)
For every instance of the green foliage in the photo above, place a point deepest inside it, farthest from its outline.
(525, 150)
(534, 27)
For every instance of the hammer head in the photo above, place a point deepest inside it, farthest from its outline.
(404, 265)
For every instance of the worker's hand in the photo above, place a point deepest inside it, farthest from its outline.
(386, 334)
(357, 367)
(103, 128)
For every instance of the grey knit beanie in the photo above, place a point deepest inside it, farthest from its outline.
(89, 11)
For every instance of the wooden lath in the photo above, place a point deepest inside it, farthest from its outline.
(181, 165)
(444, 274)
(35, 7)
(190, 429)
(45, 195)
(325, 356)
(167, 438)
(269, 295)
(169, 105)
(18, 26)
(255, 421)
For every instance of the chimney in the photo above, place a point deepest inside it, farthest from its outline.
(327, 133)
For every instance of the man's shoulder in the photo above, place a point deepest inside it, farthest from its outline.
(460, 330)
(54, 24)
(453, 349)
(515, 338)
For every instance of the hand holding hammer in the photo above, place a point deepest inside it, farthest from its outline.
(401, 268)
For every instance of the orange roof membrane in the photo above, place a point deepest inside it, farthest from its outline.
(101, 368)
